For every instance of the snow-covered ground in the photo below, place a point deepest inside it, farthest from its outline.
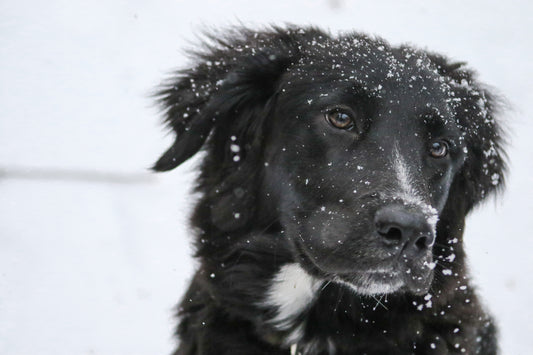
(94, 250)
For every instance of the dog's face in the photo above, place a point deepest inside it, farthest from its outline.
(364, 167)
(358, 149)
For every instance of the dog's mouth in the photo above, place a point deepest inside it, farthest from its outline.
(372, 282)
(400, 279)
(401, 276)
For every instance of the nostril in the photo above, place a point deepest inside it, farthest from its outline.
(422, 242)
(403, 227)
(392, 234)
(425, 241)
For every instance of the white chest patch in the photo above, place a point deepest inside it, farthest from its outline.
(291, 292)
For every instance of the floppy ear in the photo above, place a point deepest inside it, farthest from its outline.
(476, 111)
(233, 74)
(482, 174)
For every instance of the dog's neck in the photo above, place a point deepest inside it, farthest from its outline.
(301, 303)
(294, 303)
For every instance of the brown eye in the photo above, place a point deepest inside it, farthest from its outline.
(439, 149)
(340, 119)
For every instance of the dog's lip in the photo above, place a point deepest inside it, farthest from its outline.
(396, 280)
(381, 275)
(416, 283)
(308, 262)
(394, 274)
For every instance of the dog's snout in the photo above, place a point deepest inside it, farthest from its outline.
(404, 228)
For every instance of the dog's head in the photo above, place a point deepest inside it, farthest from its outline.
(365, 155)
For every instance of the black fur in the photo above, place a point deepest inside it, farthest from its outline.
(279, 184)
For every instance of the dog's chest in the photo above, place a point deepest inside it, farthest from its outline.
(291, 292)
(311, 316)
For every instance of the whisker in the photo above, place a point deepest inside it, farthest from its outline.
(341, 293)
(325, 285)
(378, 303)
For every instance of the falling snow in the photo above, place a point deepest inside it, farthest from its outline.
(114, 209)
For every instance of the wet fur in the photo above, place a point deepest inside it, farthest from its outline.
(233, 94)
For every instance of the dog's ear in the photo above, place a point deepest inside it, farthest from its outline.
(232, 75)
(477, 113)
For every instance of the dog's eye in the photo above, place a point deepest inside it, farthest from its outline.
(439, 149)
(340, 118)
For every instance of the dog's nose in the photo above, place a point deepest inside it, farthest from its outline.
(404, 228)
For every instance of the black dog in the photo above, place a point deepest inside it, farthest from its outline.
(337, 175)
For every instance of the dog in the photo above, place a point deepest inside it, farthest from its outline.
(336, 177)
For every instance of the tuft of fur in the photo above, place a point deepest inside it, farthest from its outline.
(271, 186)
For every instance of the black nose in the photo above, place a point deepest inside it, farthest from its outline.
(405, 228)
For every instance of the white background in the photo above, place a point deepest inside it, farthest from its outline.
(94, 250)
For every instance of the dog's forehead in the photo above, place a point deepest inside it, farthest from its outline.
(400, 79)
(373, 65)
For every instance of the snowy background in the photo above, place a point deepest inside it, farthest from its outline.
(94, 250)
